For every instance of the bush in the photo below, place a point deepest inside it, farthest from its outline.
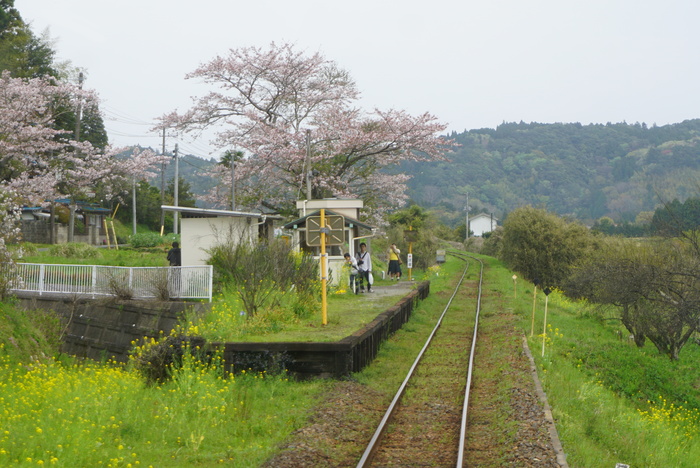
(262, 273)
(156, 360)
(74, 249)
(27, 250)
(146, 240)
(541, 245)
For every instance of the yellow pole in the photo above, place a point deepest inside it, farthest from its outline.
(114, 215)
(410, 252)
(324, 277)
(544, 331)
(114, 232)
(515, 287)
(534, 303)
(109, 244)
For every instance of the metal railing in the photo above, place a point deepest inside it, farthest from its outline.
(187, 282)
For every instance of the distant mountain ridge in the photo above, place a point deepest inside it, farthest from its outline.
(586, 171)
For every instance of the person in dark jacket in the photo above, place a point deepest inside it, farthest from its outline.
(174, 255)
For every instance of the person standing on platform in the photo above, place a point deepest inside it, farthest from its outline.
(394, 262)
(351, 263)
(364, 267)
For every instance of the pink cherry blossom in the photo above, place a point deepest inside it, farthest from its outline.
(267, 102)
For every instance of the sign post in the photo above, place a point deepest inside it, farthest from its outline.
(324, 270)
(536, 281)
(546, 292)
(321, 231)
(410, 235)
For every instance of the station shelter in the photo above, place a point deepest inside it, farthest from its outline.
(354, 231)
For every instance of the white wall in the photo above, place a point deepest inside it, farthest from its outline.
(201, 234)
(482, 224)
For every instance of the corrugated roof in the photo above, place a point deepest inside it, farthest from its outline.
(209, 213)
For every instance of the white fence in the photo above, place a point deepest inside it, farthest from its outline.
(187, 282)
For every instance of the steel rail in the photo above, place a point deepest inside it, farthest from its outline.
(467, 388)
(373, 444)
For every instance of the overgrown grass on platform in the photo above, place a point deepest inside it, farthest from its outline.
(346, 314)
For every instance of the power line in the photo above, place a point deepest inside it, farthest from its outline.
(133, 135)
(113, 114)
(126, 118)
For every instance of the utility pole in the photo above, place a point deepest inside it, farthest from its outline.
(133, 206)
(467, 209)
(81, 78)
(233, 182)
(162, 187)
(308, 164)
(176, 190)
(78, 113)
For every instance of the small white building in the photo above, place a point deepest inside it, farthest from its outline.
(202, 229)
(482, 223)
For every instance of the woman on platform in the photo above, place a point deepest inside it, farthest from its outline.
(394, 262)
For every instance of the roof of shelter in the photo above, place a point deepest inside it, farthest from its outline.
(483, 215)
(348, 220)
(209, 213)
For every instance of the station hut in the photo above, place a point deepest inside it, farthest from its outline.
(202, 229)
(354, 231)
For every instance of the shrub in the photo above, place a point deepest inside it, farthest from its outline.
(146, 240)
(27, 250)
(156, 360)
(118, 284)
(263, 272)
(541, 245)
(74, 249)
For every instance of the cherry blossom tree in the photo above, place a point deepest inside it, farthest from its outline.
(38, 161)
(294, 115)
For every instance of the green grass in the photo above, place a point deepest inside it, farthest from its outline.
(346, 313)
(104, 415)
(27, 335)
(125, 256)
(398, 353)
(613, 403)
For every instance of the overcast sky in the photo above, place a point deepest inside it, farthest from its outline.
(471, 64)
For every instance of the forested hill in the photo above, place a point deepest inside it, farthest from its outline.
(587, 171)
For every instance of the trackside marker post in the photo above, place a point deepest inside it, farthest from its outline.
(534, 304)
(546, 292)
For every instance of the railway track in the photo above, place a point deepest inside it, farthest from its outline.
(426, 422)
